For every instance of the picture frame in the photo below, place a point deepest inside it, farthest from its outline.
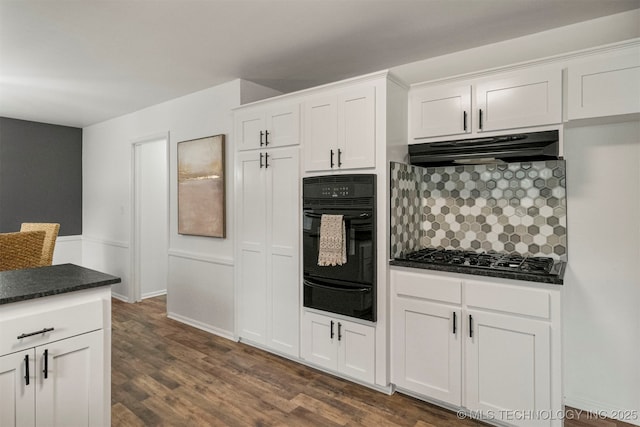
(201, 187)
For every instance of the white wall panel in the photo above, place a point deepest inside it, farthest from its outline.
(68, 250)
(602, 282)
(200, 293)
(110, 257)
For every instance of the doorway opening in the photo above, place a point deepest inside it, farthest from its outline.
(150, 222)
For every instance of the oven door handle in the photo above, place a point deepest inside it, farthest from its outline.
(347, 217)
(335, 288)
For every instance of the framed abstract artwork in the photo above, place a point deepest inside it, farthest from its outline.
(201, 187)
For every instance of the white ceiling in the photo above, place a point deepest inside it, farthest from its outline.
(81, 62)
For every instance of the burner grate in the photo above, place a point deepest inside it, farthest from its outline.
(489, 260)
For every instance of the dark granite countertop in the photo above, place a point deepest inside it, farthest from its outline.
(30, 283)
(554, 280)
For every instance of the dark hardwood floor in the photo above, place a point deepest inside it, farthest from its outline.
(165, 373)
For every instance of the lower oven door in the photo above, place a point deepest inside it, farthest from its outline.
(350, 300)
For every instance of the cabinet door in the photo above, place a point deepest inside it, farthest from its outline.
(283, 204)
(319, 338)
(508, 365)
(521, 99)
(440, 111)
(427, 349)
(356, 144)
(70, 387)
(605, 86)
(283, 125)
(17, 398)
(249, 129)
(321, 133)
(356, 350)
(251, 211)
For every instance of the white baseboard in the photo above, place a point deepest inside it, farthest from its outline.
(601, 410)
(154, 294)
(196, 324)
(119, 297)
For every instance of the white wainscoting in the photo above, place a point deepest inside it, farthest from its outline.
(68, 250)
(111, 257)
(200, 292)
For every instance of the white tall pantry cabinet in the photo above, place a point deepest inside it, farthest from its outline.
(268, 212)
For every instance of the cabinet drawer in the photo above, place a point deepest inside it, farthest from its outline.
(509, 299)
(417, 285)
(65, 321)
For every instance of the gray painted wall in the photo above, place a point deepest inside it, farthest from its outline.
(40, 175)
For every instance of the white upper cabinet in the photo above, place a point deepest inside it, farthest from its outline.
(607, 85)
(531, 97)
(274, 125)
(321, 133)
(356, 128)
(518, 99)
(440, 111)
(340, 130)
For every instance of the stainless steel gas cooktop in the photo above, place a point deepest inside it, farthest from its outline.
(542, 269)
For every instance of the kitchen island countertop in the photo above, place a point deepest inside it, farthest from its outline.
(31, 283)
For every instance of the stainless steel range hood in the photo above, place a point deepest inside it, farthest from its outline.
(497, 149)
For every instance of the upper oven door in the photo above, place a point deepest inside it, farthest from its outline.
(360, 236)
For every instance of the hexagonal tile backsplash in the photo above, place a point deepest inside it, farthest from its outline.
(513, 207)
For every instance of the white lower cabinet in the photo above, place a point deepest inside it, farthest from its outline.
(17, 404)
(508, 368)
(55, 363)
(339, 345)
(69, 388)
(429, 346)
(493, 349)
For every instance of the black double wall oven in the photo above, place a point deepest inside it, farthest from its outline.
(348, 289)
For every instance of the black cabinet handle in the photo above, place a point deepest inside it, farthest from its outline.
(464, 121)
(261, 135)
(331, 161)
(26, 370)
(266, 160)
(266, 137)
(339, 331)
(30, 334)
(332, 329)
(261, 160)
(45, 371)
(470, 326)
(480, 119)
(339, 157)
(454, 323)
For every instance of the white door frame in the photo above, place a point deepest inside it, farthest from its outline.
(135, 287)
